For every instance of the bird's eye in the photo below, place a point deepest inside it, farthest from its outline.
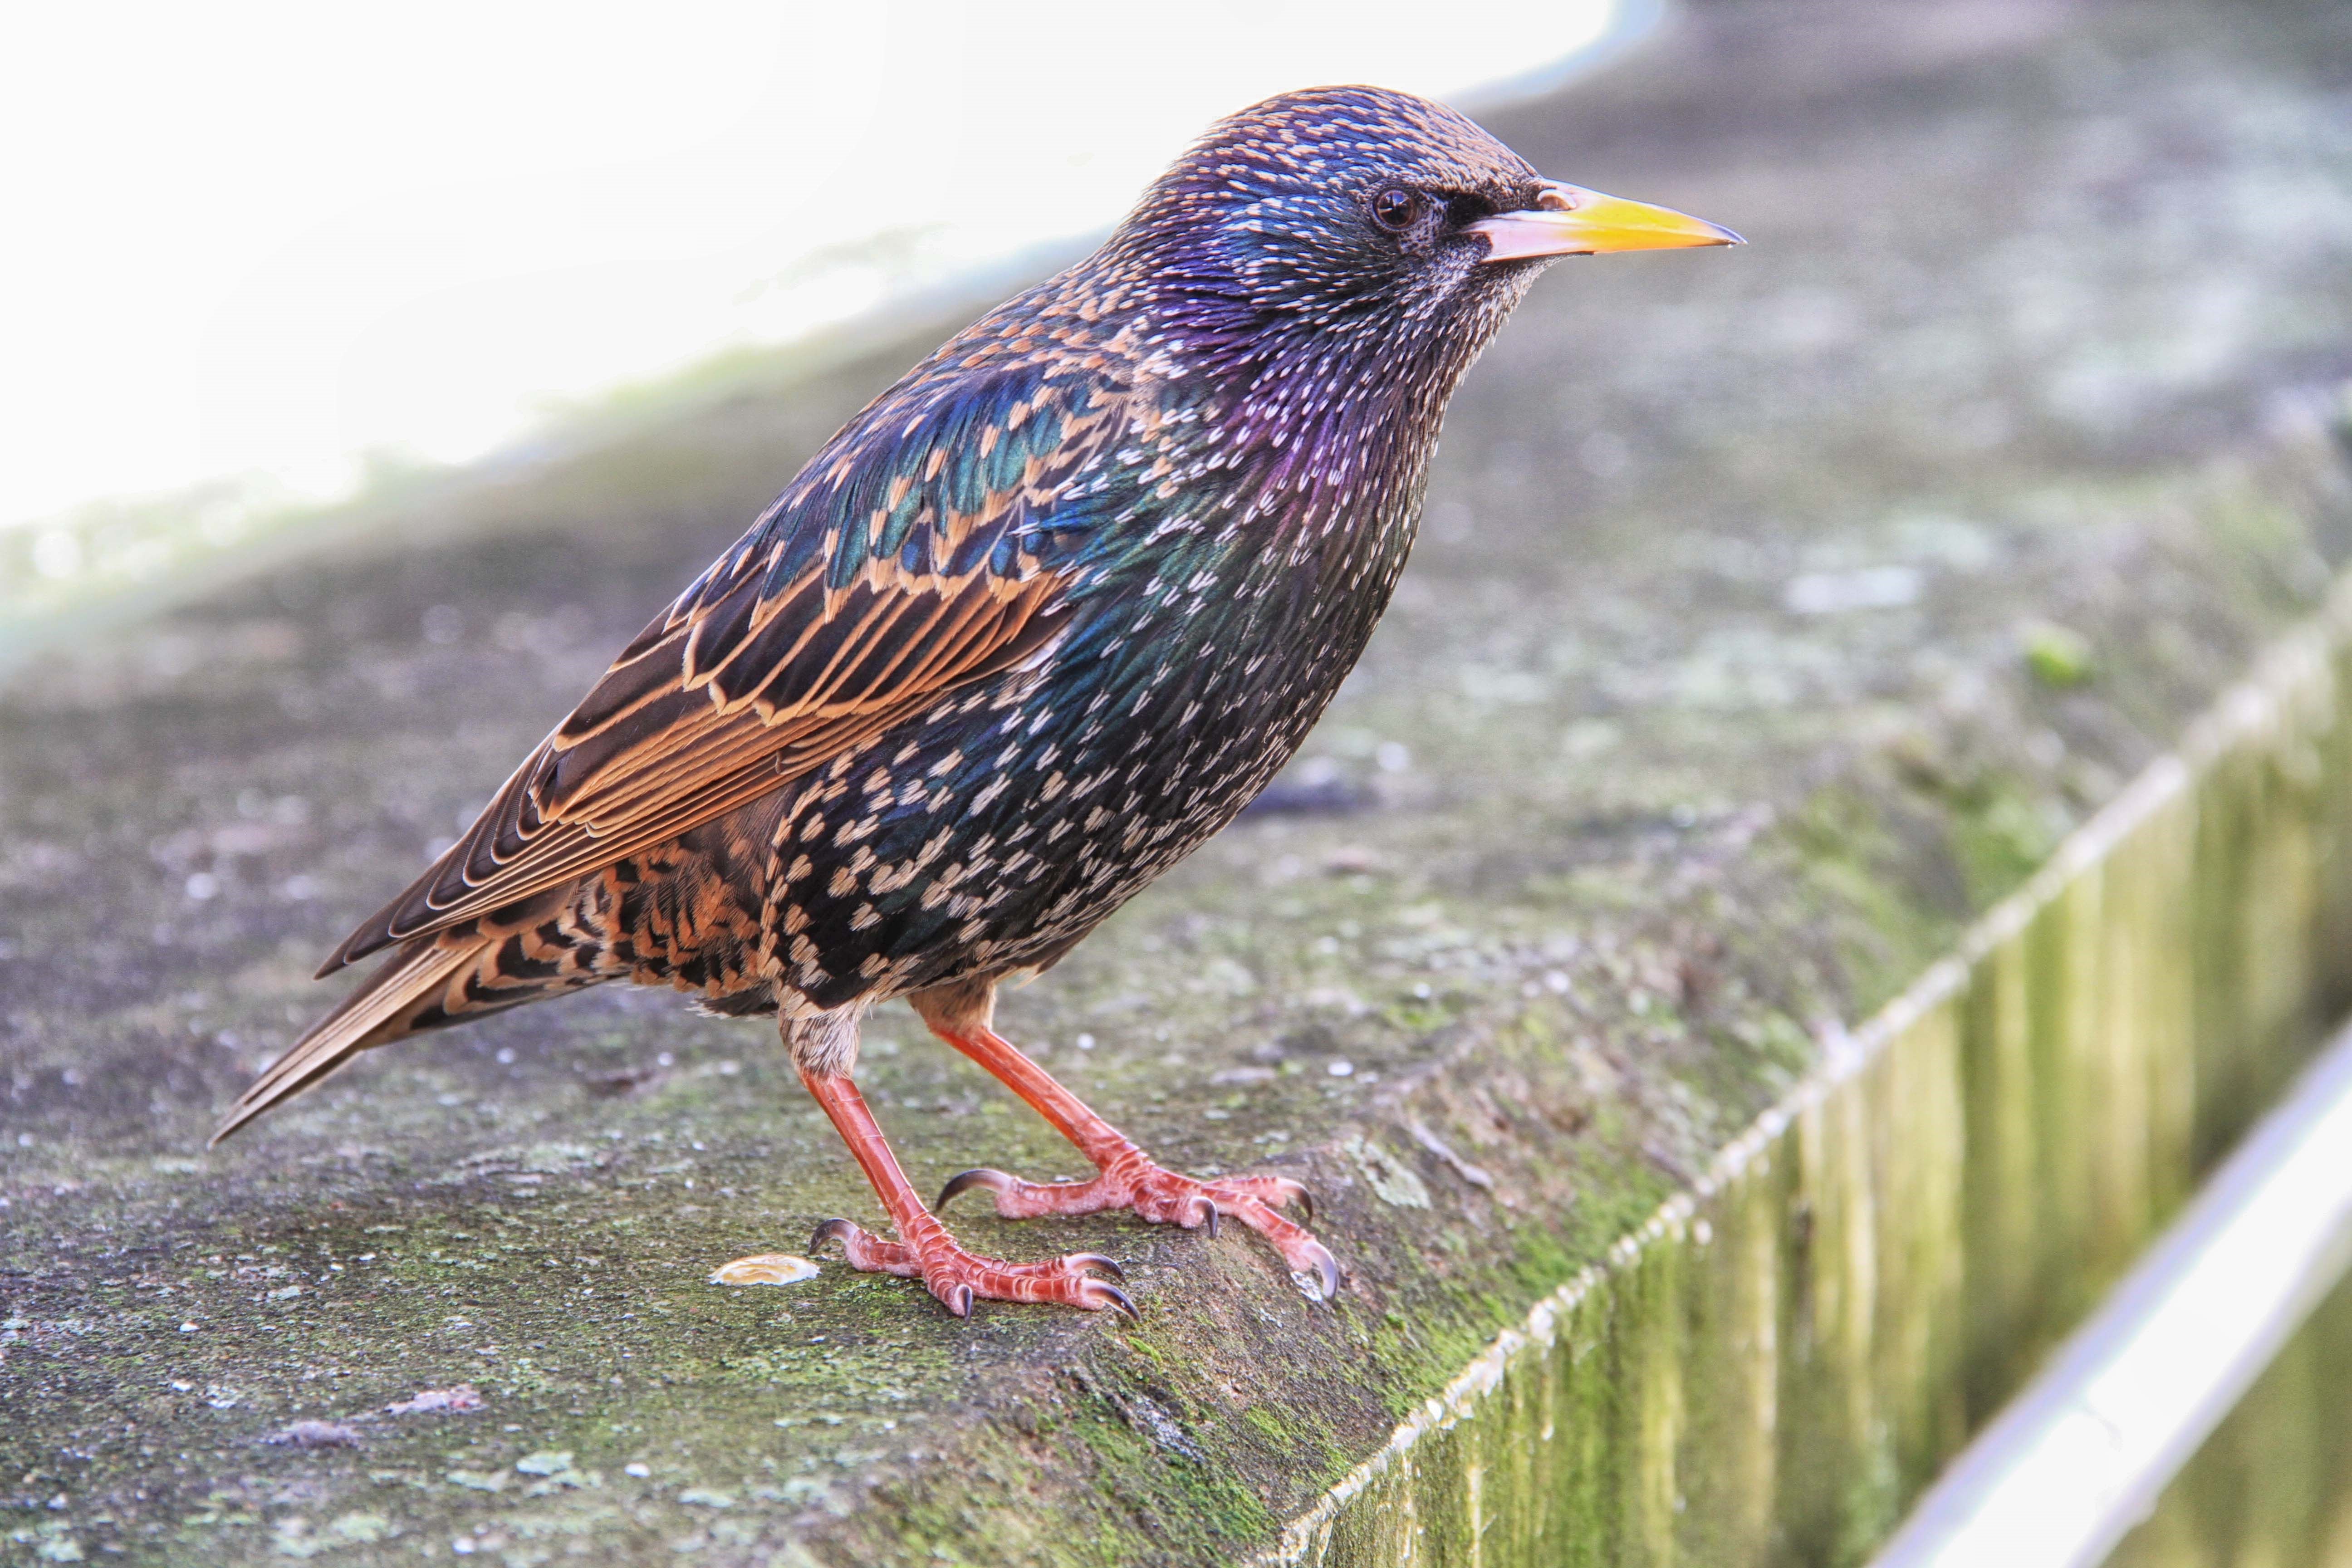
(1395, 209)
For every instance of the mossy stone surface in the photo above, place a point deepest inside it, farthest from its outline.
(1702, 723)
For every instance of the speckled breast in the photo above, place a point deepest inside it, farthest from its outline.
(994, 832)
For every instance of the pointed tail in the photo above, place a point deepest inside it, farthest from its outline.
(388, 1004)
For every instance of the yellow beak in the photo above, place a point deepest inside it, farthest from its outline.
(1569, 220)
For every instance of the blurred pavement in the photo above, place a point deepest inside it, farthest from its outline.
(1777, 610)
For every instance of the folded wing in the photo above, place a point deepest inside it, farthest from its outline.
(911, 557)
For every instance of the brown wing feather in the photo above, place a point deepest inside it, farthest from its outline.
(368, 1016)
(660, 746)
(893, 571)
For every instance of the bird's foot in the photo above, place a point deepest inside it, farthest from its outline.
(1163, 1197)
(958, 1278)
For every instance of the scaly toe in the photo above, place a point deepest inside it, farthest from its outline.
(1074, 1263)
(1274, 1191)
(1161, 1197)
(1017, 1199)
(864, 1251)
(1253, 1200)
(958, 1279)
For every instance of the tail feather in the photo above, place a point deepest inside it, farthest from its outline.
(562, 940)
(387, 1004)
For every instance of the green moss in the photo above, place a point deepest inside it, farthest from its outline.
(2059, 657)
(1649, 833)
(1999, 835)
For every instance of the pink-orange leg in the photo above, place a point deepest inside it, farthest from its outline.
(924, 1249)
(1128, 1178)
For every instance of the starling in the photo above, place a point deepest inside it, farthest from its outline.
(1027, 631)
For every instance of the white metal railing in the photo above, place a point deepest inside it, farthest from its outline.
(2082, 1454)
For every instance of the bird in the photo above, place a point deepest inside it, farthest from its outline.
(1027, 631)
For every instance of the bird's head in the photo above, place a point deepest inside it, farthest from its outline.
(1366, 211)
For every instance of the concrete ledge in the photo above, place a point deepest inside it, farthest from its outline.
(1778, 1359)
(1773, 623)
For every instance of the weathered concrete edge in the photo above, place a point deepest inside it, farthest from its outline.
(2296, 673)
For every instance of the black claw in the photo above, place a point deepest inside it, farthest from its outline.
(833, 1229)
(1119, 1299)
(1211, 1222)
(959, 1301)
(981, 1177)
(1097, 1260)
(1307, 1205)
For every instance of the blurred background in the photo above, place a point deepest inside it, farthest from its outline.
(1785, 623)
(269, 250)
